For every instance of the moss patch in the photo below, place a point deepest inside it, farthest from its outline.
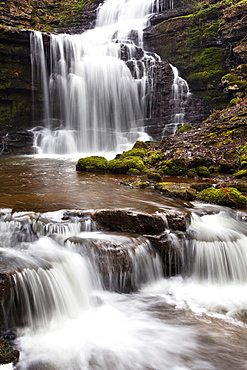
(126, 165)
(92, 164)
(175, 190)
(227, 196)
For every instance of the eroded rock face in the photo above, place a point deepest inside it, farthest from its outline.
(15, 80)
(190, 37)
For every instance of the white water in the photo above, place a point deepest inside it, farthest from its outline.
(70, 322)
(96, 86)
(180, 97)
(92, 101)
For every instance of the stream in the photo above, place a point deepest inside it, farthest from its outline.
(71, 321)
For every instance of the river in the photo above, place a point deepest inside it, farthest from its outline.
(181, 322)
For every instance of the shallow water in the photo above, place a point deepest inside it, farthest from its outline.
(175, 323)
(45, 184)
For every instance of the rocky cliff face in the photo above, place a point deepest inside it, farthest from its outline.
(204, 40)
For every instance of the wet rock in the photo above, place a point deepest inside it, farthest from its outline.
(169, 248)
(25, 234)
(121, 220)
(16, 142)
(8, 354)
(124, 262)
(112, 259)
(129, 221)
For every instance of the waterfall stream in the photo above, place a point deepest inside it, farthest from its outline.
(95, 86)
(68, 285)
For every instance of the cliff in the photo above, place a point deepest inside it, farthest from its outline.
(204, 40)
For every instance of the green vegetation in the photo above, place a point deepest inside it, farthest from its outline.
(135, 152)
(175, 190)
(92, 164)
(184, 128)
(200, 171)
(241, 174)
(126, 165)
(172, 167)
(194, 44)
(227, 196)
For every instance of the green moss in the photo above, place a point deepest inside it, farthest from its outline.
(232, 80)
(126, 165)
(175, 190)
(242, 174)
(227, 196)
(187, 46)
(173, 167)
(141, 145)
(200, 171)
(135, 152)
(92, 164)
(154, 157)
(153, 175)
(233, 102)
(184, 128)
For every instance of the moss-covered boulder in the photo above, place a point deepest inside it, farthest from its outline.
(200, 171)
(92, 164)
(153, 176)
(173, 167)
(154, 157)
(175, 190)
(126, 165)
(134, 152)
(227, 196)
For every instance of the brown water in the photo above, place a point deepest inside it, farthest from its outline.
(28, 183)
(176, 323)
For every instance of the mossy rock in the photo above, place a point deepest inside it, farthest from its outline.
(199, 186)
(242, 174)
(126, 165)
(7, 354)
(173, 167)
(227, 166)
(175, 190)
(140, 145)
(227, 196)
(153, 175)
(239, 185)
(184, 128)
(200, 171)
(154, 157)
(199, 161)
(135, 152)
(92, 164)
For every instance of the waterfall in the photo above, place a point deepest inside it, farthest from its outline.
(178, 102)
(95, 84)
(60, 284)
(217, 249)
(97, 87)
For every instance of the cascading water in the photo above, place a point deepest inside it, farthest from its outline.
(64, 274)
(217, 249)
(180, 97)
(95, 86)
